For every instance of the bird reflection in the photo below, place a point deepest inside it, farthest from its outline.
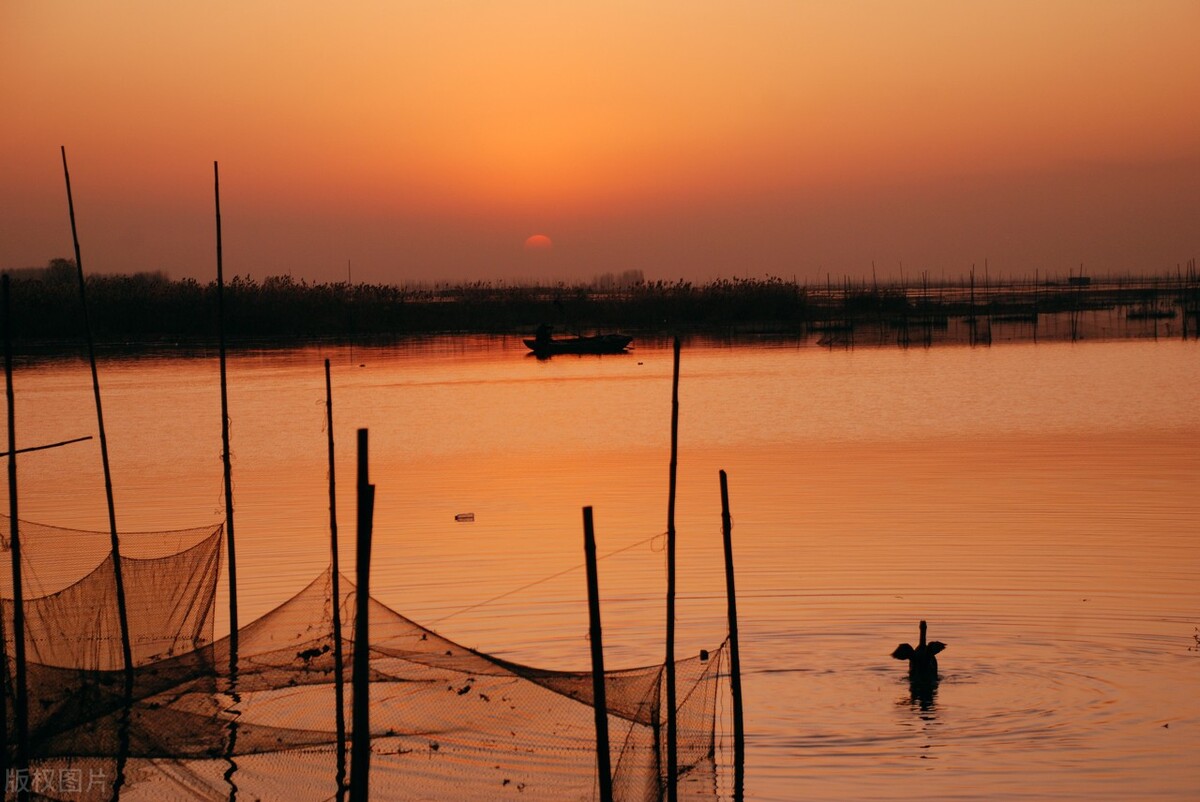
(922, 694)
(922, 668)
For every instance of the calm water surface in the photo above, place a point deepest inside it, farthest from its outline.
(1036, 504)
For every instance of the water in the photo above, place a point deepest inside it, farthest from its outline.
(1035, 503)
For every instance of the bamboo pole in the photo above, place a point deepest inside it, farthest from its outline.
(225, 458)
(672, 732)
(118, 579)
(360, 733)
(735, 660)
(4, 691)
(339, 679)
(599, 700)
(21, 697)
(4, 681)
(60, 443)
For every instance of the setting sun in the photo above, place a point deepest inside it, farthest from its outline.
(539, 242)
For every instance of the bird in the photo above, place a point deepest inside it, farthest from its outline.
(922, 661)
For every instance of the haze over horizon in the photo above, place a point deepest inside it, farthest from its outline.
(430, 142)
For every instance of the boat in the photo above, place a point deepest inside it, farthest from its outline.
(1150, 313)
(597, 344)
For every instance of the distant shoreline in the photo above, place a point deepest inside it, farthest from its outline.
(151, 312)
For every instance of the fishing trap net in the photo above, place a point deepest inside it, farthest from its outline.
(447, 722)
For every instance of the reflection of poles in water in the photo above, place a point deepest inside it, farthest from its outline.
(231, 743)
(599, 700)
(735, 661)
(21, 698)
(339, 693)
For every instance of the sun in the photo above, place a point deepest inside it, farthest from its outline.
(539, 242)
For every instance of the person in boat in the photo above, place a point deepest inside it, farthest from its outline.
(543, 334)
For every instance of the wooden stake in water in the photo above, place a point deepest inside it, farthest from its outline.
(735, 660)
(21, 697)
(225, 459)
(339, 679)
(122, 613)
(11, 453)
(669, 668)
(599, 700)
(360, 733)
(20, 691)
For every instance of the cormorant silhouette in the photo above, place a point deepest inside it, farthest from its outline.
(922, 661)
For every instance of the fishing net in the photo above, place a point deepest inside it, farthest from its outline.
(447, 722)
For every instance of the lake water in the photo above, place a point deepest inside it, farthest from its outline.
(1036, 503)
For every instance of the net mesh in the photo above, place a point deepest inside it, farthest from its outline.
(447, 722)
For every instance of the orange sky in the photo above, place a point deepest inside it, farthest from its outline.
(427, 141)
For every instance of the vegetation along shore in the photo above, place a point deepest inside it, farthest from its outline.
(149, 308)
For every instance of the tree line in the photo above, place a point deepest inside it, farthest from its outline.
(147, 307)
(151, 307)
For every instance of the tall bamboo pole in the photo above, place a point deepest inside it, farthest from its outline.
(339, 679)
(21, 700)
(118, 579)
(735, 660)
(225, 459)
(672, 732)
(599, 700)
(360, 732)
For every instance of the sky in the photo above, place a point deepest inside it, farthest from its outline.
(422, 142)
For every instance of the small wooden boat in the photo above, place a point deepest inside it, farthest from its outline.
(1150, 313)
(598, 344)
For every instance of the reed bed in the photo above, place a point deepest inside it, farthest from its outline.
(150, 307)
